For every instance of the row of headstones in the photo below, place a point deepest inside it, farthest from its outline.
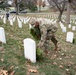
(64, 28)
(12, 19)
(54, 16)
(73, 20)
(49, 16)
(70, 34)
(26, 20)
(45, 19)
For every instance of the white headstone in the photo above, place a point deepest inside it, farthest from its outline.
(70, 36)
(64, 29)
(19, 23)
(2, 35)
(30, 49)
(69, 26)
(14, 18)
(25, 21)
(75, 23)
(30, 26)
(73, 28)
(11, 21)
(4, 20)
(1, 16)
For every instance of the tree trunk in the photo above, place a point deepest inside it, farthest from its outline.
(17, 7)
(60, 15)
(16, 10)
(68, 13)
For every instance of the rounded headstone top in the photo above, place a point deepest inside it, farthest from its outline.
(29, 39)
(1, 28)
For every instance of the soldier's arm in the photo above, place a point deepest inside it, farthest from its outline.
(43, 35)
(54, 28)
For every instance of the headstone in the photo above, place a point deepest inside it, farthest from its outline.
(25, 21)
(2, 35)
(30, 26)
(64, 29)
(4, 20)
(75, 23)
(69, 26)
(11, 21)
(1, 16)
(19, 23)
(70, 36)
(30, 49)
(14, 18)
(73, 28)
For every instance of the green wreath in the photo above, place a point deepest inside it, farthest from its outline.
(35, 32)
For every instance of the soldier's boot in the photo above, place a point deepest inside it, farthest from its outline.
(53, 39)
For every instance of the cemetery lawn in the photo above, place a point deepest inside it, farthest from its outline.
(61, 62)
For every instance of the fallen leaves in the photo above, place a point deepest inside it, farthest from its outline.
(33, 71)
(55, 63)
(1, 48)
(61, 66)
(75, 68)
(67, 70)
(12, 73)
(53, 56)
(3, 71)
(2, 59)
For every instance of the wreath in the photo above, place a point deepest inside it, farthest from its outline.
(36, 33)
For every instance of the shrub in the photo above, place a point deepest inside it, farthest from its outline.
(39, 54)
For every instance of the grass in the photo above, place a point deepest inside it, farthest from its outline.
(56, 63)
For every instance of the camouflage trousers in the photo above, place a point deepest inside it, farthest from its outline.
(45, 41)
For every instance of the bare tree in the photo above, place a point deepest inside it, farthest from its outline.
(16, 3)
(60, 5)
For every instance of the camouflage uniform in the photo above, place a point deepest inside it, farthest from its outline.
(47, 33)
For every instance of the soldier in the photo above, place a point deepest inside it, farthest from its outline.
(47, 33)
(7, 15)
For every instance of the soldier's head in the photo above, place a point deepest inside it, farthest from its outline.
(34, 23)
